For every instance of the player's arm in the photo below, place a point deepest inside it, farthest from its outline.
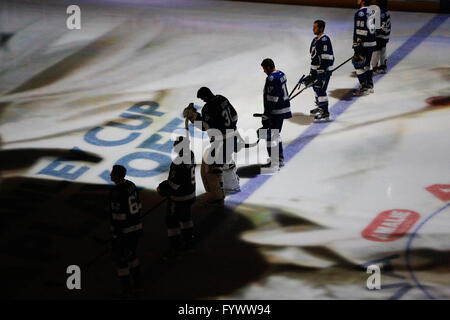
(355, 27)
(267, 103)
(200, 120)
(169, 186)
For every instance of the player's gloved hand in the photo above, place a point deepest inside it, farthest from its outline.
(320, 79)
(309, 80)
(357, 47)
(164, 189)
(265, 121)
(358, 61)
(190, 113)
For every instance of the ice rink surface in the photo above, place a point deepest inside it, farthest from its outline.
(370, 187)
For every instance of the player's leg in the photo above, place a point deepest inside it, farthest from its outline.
(212, 180)
(362, 78)
(187, 225)
(383, 59)
(121, 258)
(173, 229)
(230, 177)
(376, 57)
(134, 263)
(369, 71)
(323, 114)
(274, 144)
(316, 100)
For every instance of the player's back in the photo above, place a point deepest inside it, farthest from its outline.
(126, 203)
(221, 114)
(365, 27)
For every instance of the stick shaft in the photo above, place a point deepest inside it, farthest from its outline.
(342, 64)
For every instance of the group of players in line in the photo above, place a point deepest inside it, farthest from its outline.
(219, 177)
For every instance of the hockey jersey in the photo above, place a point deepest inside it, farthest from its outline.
(125, 208)
(321, 50)
(217, 114)
(385, 30)
(364, 28)
(276, 96)
(182, 180)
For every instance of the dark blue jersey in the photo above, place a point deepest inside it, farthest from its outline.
(385, 30)
(321, 50)
(364, 29)
(125, 208)
(182, 179)
(276, 96)
(217, 114)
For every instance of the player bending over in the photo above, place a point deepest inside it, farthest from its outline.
(219, 119)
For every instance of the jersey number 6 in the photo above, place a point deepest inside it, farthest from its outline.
(134, 206)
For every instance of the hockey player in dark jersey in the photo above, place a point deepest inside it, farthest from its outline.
(364, 43)
(219, 119)
(179, 188)
(379, 60)
(322, 59)
(126, 227)
(276, 108)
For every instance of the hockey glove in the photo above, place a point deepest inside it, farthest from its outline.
(164, 189)
(309, 80)
(358, 61)
(190, 113)
(265, 122)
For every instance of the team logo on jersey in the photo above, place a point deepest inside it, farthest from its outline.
(324, 39)
(313, 53)
(361, 14)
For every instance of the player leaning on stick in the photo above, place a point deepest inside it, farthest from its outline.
(179, 188)
(219, 119)
(364, 43)
(276, 108)
(126, 227)
(321, 60)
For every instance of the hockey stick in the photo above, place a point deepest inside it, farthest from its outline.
(341, 64)
(260, 115)
(299, 92)
(246, 145)
(154, 207)
(297, 85)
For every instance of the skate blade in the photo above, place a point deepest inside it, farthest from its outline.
(231, 191)
(322, 120)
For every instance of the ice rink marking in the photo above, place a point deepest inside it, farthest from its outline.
(408, 250)
(340, 107)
